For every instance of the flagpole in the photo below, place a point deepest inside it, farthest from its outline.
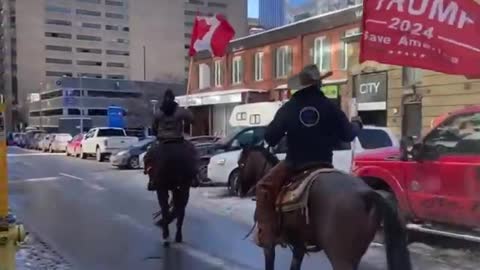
(189, 80)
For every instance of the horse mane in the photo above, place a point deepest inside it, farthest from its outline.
(271, 158)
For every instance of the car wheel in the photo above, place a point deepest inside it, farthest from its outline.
(82, 155)
(99, 155)
(134, 163)
(51, 149)
(233, 188)
(201, 179)
(67, 153)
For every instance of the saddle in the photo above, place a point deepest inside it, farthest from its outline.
(294, 196)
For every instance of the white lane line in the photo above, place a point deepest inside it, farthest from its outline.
(71, 176)
(35, 154)
(90, 185)
(34, 180)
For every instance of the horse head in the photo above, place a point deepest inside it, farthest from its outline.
(254, 162)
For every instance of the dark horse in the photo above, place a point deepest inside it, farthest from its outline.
(343, 216)
(172, 166)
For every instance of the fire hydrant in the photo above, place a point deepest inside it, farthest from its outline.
(11, 233)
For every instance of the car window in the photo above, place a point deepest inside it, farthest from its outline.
(374, 138)
(112, 132)
(249, 137)
(457, 135)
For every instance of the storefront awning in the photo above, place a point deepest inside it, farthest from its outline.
(215, 97)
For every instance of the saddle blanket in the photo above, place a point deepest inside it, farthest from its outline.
(295, 195)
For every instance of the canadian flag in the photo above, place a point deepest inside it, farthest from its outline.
(212, 34)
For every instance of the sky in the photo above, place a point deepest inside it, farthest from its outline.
(253, 8)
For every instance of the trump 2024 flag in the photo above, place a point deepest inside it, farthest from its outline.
(439, 35)
(212, 34)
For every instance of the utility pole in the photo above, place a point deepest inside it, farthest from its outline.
(81, 104)
(11, 233)
(144, 63)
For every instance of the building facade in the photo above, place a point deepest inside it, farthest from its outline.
(271, 13)
(71, 99)
(296, 10)
(234, 11)
(257, 67)
(109, 39)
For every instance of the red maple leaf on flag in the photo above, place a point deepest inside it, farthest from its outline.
(212, 34)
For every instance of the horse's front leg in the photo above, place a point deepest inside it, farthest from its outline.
(269, 258)
(162, 196)
(297, 259)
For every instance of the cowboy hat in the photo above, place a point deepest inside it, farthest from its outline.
(309, 75)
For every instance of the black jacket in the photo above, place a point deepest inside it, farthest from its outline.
(313, 126)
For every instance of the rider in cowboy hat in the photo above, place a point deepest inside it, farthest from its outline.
(313, 126)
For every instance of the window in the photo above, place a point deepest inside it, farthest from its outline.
(241, 116)
(53, 112)
(58, 48)
(114, 52)
(114, 15)
(58, 22)
(219, 5)
(88, 63)
(90, 1)
(116, 77)
(58, 61)
(374, 138)
(255, 119)
(190, 13)
(218, 73)
(89, 38)
(259, 66)
(283, 62)
(343, 54)
(91, 25)
(89, 50)
(111, 27)
(88, 12)
(113, 94)
(126, 29)
(90, 75)
(457, 135)
(204, 78)
(97, 112)
(113, 3)
(56, 9)
(73, 112)
(196, 2)
(121, 40)
(58, 35)
(58, 74)
(111, 132)
(322, 53)
(50, 95)
(237, 70)
(411, 76)
(33, 114)
(188, 35)
(119, 65)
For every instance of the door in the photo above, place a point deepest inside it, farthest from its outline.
(88, 146)
(445, 185)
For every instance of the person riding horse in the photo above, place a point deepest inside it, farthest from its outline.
(171, 162)
(313, 126)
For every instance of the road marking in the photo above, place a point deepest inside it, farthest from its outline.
(35, 154)
(90, 185)
(71, 176)
(34, 180)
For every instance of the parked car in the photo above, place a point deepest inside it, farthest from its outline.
(19, 139)
(74, 146)
(44, 142)
(59, 142)
(101, 142)
(32, 138)
(129, 158)
(434, 181)
(223, 167)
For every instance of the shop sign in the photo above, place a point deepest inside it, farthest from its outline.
(209, 100)
(371, 91)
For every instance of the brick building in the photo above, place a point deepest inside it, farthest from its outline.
(257, 67)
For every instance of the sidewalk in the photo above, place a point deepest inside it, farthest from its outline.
(424, 257)
(36, 255)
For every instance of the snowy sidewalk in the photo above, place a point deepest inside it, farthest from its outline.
(36, 255)
(424, 257)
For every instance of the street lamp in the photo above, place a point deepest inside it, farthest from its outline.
(154, 103)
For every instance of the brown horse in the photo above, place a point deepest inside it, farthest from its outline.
(343, 216)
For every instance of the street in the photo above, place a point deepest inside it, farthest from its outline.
(98, 217)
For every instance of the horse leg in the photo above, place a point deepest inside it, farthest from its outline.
(180, 197)
(162, 196)
(269, 254)
(298, 254)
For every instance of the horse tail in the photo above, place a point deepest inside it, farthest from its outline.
(398, 256)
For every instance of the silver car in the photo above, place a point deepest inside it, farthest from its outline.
(59, 142)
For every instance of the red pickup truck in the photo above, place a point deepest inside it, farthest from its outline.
(435, 181)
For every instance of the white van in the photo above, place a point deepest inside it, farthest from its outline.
(223, 167)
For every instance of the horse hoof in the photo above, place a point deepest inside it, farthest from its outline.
(166, 234)
(166, 244)
(179, 238)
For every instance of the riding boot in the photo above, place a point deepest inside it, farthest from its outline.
(267, 191)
